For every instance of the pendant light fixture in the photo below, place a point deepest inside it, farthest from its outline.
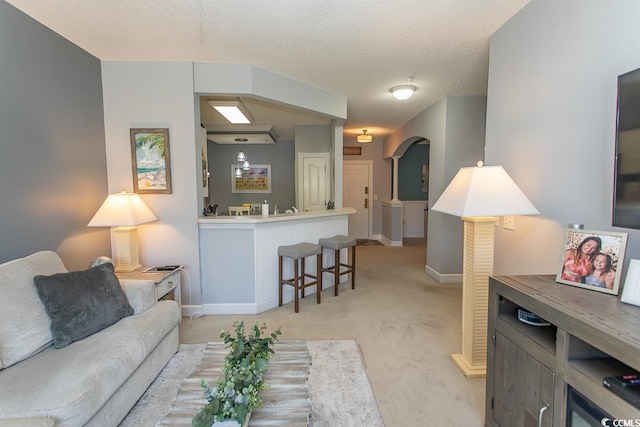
(243, 165)
(364, 138)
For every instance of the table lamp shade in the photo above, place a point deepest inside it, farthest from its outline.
(124, 211)
(483, 191)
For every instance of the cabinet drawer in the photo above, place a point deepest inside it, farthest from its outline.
(167, 285)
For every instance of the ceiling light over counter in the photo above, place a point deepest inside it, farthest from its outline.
(242, 134)
(233, 111)
(364, 138)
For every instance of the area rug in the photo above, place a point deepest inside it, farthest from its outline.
(338, 387)
(368, 242)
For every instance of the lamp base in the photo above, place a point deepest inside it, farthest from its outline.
(478, 266)
(469, 371)
(126, 248)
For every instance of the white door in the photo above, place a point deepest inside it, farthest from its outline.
(356, 194)
(314, 185)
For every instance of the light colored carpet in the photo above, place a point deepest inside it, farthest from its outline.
(156, 401)
(338, 387)
(406, 324)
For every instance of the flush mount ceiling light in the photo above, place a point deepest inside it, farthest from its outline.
(233, 111)
(403, 92)
(364, 137)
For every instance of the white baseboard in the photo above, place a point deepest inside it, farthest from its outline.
(388, 242)
(443, 278)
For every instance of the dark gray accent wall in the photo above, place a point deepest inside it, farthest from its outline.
(53, 174)
(410, 173)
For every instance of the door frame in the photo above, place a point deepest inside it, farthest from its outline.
(369, 164)
(300, 180)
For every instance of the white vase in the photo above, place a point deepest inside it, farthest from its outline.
(226, 423)
(232, 423)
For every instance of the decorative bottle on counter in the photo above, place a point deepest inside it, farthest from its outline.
(265, 209)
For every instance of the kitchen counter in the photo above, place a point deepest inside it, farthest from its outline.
(239, 256)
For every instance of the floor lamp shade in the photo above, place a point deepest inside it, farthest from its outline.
(124, 211)
(478, 195)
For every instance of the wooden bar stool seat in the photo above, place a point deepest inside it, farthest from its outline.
(337, 243)
(298, 253)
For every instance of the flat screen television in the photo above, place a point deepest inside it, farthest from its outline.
(626, 194)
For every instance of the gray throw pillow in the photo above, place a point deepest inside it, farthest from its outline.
(81, 303)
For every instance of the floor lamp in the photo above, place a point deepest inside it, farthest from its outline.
(124, 211)
(479, 195)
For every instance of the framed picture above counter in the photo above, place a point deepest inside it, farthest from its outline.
(255, 180)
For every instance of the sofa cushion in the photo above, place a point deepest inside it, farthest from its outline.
(81, 303)
(25, 327)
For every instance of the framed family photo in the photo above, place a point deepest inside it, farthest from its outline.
(592, 260)
(631, 289)
(255, 180)
(150, 161)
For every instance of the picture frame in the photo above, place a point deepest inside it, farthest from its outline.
(351, 151)
(150, 160)
(631, 288)
(592, 260)
(256, 180)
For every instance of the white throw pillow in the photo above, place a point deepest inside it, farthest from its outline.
(25, 327)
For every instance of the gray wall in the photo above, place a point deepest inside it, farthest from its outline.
(279, 156)
(551, 117)
(455, 127)
(53, 173)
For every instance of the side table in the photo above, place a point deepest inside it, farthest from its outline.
(167, 282)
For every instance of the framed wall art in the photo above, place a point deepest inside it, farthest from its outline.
(592, 260)
(150, 161)
(351, 151)
(631, 289)
(256, 180)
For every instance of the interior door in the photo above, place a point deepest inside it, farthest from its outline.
(356, 194)
(315, 185)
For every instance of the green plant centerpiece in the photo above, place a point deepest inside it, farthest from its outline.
(237, 394)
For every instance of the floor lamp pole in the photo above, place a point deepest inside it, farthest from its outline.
(479, 237)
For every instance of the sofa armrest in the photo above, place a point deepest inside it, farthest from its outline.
(140, 293)
(27, 422)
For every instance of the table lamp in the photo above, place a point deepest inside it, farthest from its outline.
(124, 211)
(478, 195)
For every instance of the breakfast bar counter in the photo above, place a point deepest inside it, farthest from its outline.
(239, 256)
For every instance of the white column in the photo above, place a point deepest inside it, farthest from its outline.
(394, 194)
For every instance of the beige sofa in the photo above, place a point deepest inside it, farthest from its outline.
(92, 381)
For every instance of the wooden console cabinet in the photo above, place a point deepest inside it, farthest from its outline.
(530, 368)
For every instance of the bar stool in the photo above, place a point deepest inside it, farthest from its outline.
(298, 253)
(337, 243)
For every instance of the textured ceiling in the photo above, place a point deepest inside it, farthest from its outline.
(356, 48)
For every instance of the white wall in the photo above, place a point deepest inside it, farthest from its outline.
(158, 95)
(551, 114)
(165, 95)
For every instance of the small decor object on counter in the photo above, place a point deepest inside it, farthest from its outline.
(331, 205)
(592, 259)
(265, 209)
(233, 397)
(631, 289)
